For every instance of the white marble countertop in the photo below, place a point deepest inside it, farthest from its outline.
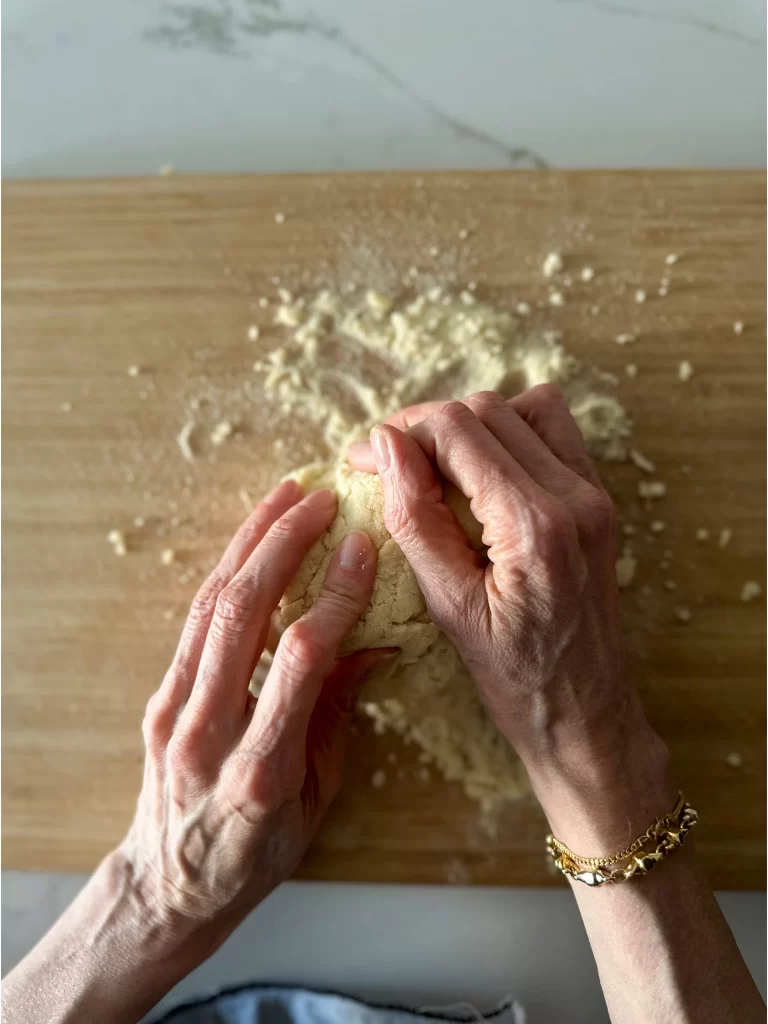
(97, 88)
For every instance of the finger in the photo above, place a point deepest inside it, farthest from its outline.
(514, 510)
(425, 529)
(180, 677)
(305, 656)
(546, 412)
(523, 443)
(242, 616)
(329, 724)
(360, 455)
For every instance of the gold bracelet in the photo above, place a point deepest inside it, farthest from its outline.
(667, 832)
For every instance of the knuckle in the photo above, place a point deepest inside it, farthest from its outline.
(155, 725)
(452, 415)
(234, 606)
(204, 600)
(302, 645)
(544, 395)
(484, 401)
(600, 512)
(400, 523)
(341, 598)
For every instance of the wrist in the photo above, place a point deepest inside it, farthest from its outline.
(599, 799)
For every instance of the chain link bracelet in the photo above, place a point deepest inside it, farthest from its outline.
(662, 837)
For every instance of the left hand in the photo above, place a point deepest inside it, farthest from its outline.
(234, 789)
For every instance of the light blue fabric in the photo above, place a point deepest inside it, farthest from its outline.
(275, 1005)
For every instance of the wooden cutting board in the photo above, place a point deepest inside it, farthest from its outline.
(165, 275)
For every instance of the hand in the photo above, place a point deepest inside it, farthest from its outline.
(234, 789)
(538, 621)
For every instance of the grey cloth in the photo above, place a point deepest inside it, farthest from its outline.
(263, 1004)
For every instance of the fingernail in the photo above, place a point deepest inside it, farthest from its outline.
(354, 550)
(380, 447)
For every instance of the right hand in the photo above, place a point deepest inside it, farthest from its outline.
(538, 624)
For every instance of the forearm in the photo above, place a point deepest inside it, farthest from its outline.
(664, 952)
(106, 959)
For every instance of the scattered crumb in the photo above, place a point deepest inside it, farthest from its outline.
(138, 522)
(624, 339)
(463, 234)
(671, 259)
(523, 308)
(166, 170)
(253, 332)
(651, 489)
(263, 302)
(664, 565)
(168, 614)
(279, 218)
(587, 273)
(683, 613)
(423, 775)
(628, 529)
(167, 556)
(750, 590)
(434, 251)
(685, 370)
(626, 564)
(702, 534)
(66, 407)
(686, 469)
(552, 264)
(245, 497)
(468, 298)
(594, 310)
(117, 539)
(640, 296)
(646, 590)
(378, 779)
(221, 432)
(734, 759)
(670, 585)
(738, 327)
(725, 537)
(184, 440)
(641, 462)
(631, 369)
(657, 526)
(556, 299)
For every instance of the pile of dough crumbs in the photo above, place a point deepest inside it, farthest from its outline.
(351, 361)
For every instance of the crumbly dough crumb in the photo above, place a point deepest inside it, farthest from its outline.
(651, 490)
(553, 264)
(117, 539)
(750, 590)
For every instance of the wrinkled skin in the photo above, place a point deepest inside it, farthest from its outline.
(538, 621)
(233, 788)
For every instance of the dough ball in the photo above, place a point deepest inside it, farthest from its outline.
(397, 615)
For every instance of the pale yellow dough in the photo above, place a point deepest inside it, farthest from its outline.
(427, 695)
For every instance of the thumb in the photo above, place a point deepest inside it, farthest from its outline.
(329, 724)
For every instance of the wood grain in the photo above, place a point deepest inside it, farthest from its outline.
(165, 274)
